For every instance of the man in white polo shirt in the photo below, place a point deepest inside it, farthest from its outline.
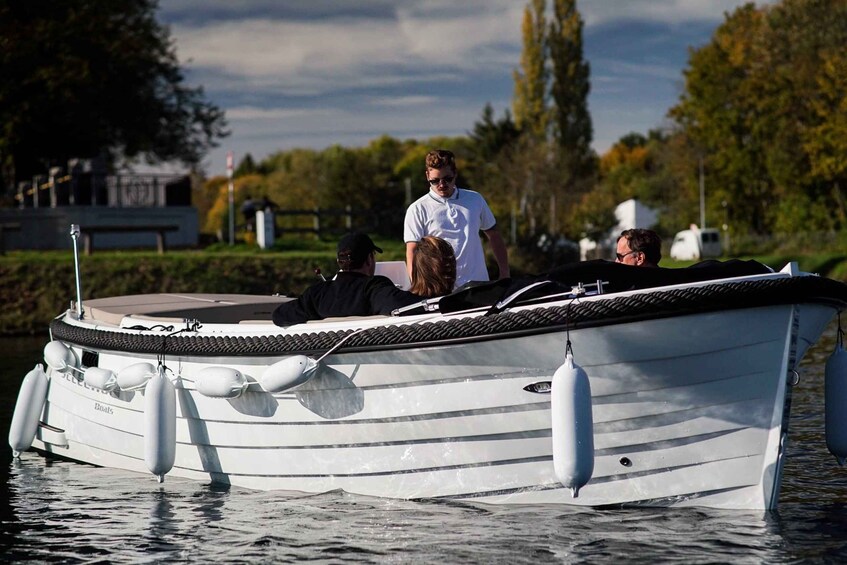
(456, 215)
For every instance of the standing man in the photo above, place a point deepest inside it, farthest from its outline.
(456, 215)
(639, 247)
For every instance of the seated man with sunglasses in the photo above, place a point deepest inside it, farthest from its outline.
(639, 247)
(456, 215)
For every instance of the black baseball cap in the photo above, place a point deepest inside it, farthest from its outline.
(357, 246)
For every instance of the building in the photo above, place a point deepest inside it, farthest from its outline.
(630, 214)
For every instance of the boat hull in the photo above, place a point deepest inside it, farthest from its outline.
(688, 410)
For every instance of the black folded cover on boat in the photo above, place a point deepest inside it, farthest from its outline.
(616, 276)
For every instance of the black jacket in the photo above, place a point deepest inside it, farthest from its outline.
(348, 294)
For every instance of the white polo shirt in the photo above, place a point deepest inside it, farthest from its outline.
(457, 220)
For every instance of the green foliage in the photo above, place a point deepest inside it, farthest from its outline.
(371, 180)
(83, 78)
(553, 165)
(572, 127)
(530, 100)
(764, 105)
(247, 166)
(37, 289)
(492, 137)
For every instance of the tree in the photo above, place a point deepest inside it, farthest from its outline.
(530, 104)
(247, 166)
(763, 106)
(490, 136)
(83, 78)
(572, 130)
(572, 127)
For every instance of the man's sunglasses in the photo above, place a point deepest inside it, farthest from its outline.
(621, 256)
(445, 180)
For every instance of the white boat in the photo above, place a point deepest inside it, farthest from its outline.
(690, 389)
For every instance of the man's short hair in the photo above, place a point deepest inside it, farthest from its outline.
(645, 241)
(440, 158)
(353, 249)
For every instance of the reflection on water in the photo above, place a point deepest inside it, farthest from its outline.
(61, 511)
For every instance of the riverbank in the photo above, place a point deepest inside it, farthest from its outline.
(39, 285)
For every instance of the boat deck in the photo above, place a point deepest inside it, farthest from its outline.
(164, 307)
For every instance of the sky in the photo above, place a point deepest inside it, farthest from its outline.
(314, 73)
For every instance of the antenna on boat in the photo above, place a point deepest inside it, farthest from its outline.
(75, 236)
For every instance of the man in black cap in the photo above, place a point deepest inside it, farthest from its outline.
(354, 291)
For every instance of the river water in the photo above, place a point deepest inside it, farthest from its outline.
(55, 511)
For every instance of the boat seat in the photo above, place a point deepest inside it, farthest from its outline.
(347, 319)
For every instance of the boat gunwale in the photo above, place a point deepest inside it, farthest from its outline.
(472, 325)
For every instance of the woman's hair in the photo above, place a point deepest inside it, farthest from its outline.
(433, 268)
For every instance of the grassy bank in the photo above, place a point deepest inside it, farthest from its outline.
(39, 285)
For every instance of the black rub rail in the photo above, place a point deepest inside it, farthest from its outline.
(577, 314)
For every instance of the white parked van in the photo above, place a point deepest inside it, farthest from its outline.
(694, 243)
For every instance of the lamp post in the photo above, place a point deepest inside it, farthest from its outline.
(702, 197)
(231, 198)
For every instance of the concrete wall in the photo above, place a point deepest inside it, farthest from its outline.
(49, 228)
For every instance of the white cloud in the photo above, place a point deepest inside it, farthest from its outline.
(360, 69)
(302, 57)
(250, 113)
(596, 12)
(403, 101)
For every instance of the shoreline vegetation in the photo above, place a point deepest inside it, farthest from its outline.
(38, 285)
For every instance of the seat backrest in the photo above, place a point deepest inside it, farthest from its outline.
(396, 271)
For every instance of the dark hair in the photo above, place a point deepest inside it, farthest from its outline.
(433, 268)
(440, 158)
(645, 241)
(353, 249)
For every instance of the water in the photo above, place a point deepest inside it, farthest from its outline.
(55, 511)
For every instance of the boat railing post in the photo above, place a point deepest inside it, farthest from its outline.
(75, 236)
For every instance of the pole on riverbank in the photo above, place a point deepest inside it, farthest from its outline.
(231, 198)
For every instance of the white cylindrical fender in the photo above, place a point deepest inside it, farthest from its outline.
(60, 357)
(220, 382)
(835, 393)
(28, 409)
(572, 426)
(101, 379)
(289, 373)
(159, 424)
(135, 376)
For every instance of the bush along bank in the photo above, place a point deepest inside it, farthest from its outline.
(35, 290)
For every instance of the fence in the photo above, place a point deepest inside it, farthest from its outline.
(115, 191)
(335, 221)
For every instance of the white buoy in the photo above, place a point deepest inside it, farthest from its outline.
(28, 409)
(101, 379)
(220, 382)
(135, 376)
(572, 425)
(289, 373)
(159, 424)
(60, 357)
(835, 393)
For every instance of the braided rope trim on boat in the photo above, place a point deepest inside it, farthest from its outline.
(659, 304)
